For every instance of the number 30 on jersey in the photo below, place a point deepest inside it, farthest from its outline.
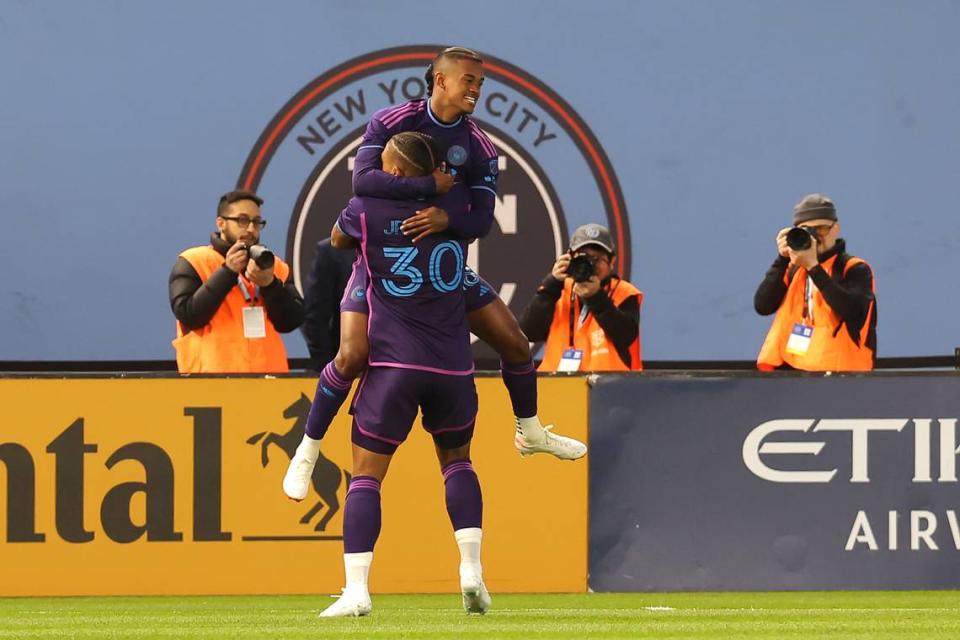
(404, 267)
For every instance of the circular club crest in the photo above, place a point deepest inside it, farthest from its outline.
(456, 155)
(554, 176)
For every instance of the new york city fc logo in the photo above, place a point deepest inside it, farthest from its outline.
(553, 174)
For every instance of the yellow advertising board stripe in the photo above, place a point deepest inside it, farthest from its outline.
(172, 486)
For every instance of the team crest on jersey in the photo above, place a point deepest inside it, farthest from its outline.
(456, 155)
(552, 173)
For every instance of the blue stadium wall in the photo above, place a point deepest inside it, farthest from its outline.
(121, 123)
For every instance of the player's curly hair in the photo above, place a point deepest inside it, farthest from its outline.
(450, 53)
(418, 151)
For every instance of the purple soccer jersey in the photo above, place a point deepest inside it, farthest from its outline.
(477, 292)
(469, 155)
(414, 292)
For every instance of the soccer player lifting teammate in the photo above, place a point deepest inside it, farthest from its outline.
(420, 359)
(463, 206)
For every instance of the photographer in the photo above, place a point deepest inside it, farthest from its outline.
(588, 316)
(824, 298)
(232, 298)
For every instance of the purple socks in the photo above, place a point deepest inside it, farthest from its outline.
(521, 383)
(464, 500)
(332, 390)
(361, 515)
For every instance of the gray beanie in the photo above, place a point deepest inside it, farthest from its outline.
(815, 206)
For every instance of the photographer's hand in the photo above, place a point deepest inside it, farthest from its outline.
(588, 289)
(782, 247)
(559, 270)
(425, 222)
(806, 259)
(260, 277)
(237, 257)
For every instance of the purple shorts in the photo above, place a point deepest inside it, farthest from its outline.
(477, 292)
(387, 401)
(355, 294)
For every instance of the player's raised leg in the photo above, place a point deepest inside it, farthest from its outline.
(496, 325)
(333, 387)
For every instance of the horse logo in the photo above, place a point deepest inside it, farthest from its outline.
(327, 476)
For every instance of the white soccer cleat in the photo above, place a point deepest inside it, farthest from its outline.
(352, 603)
(476, 598)
(556, 445)
(296, 482)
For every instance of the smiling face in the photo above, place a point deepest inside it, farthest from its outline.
(457, 84)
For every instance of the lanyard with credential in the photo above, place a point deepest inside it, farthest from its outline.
(247, 297)
(573, 299)
(808, 299)
(585, 311)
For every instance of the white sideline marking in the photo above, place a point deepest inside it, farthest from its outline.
(718, 610)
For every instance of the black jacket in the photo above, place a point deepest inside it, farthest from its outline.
(849, 295)
(195, 302)
(326, 282)
(621, 324)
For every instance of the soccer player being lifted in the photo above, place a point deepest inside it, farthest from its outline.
(463, 202)
(420, 360)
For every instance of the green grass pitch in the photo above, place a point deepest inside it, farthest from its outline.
(907, 614)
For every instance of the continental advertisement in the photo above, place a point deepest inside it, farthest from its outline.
(141, 486)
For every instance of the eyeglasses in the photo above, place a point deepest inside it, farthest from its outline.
(245, 221)
(820, 229)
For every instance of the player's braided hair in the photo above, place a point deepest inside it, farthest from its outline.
(418, 151)
(450, 53)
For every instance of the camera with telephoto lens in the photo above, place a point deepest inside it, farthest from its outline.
(262, 256)
(800, 239)
(582, 267)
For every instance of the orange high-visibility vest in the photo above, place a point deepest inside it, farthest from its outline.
(220, 346)
(831, 348)
(599, 352)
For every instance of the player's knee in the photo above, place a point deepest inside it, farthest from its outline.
(516, 350)
(449, 456)
(351, 359)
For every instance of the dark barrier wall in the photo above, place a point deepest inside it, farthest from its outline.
(774, 483)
